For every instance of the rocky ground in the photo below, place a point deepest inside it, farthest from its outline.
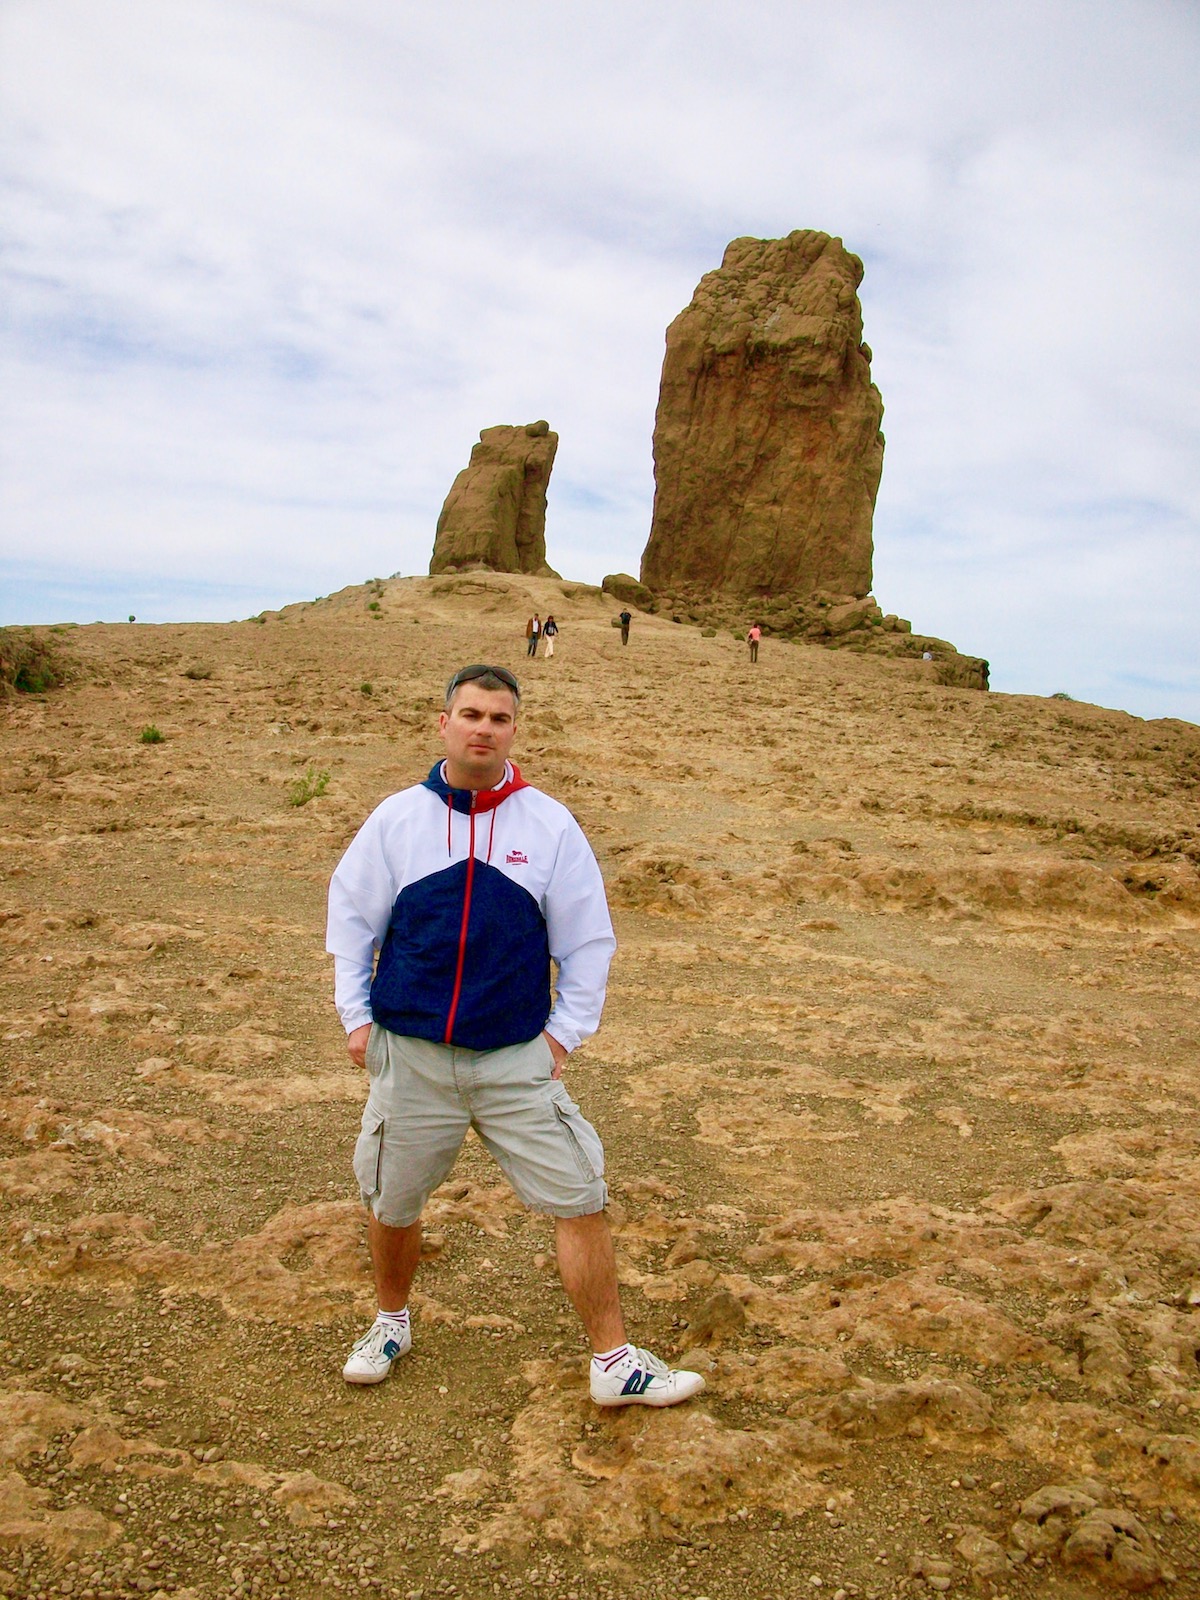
(898, 1080)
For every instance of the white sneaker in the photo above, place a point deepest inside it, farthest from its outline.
(640, 1379)
(371, 1359)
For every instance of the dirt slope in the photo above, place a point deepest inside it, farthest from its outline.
(898, 1082)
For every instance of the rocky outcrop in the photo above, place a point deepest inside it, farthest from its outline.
(625, 588)
(837, 621)
(495, 513)
(767, 449)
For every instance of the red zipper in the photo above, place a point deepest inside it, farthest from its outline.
(462, 935)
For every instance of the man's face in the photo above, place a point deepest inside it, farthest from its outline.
(478, 732)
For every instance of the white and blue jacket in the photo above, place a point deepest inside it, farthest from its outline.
(467, 897)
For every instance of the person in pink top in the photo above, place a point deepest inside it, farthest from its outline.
(752, 639)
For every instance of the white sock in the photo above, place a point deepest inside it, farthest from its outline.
(610, 1358)
(394, 1319)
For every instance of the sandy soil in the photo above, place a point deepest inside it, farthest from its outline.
(898, 1082)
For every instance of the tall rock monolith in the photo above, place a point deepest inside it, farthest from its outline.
(767, 449)
(495, 513)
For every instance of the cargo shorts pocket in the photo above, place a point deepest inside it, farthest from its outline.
(376, 1055)
(368, 1155)
(582, 1138)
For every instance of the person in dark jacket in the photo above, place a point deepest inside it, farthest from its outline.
(446, 914)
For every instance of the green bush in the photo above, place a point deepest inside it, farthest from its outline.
(365, 688)
(151, 735)
(29, 664)
(310, 787)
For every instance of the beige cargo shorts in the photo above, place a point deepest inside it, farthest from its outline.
(423, 1098)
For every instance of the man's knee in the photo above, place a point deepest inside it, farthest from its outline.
(392, 1232)
(391, 1226)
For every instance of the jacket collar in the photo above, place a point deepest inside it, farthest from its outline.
(485, 799)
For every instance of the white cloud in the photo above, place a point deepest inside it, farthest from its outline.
(271, 268)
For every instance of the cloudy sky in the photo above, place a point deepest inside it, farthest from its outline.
(270, 266)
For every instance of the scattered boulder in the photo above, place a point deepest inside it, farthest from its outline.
(1177, 1455)
(1113, 1546)
(306, 1498)
(954, 671)
(628, 591)
(767, 449)
(722, 1316)
(937, 1573)
(850, 615)
(1048, 1517)
(471, 1485)
(982, 1554)
(495, 513)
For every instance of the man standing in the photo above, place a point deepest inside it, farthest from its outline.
(625, 619)
(533, 632)
(467, 887)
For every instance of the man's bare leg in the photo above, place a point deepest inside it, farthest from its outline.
(394, 1256)
(588, 1269)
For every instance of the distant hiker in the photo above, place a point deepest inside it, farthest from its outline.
(549, 633)
(458, 894)
(625, 620)
(533, 631)
(753, 637)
